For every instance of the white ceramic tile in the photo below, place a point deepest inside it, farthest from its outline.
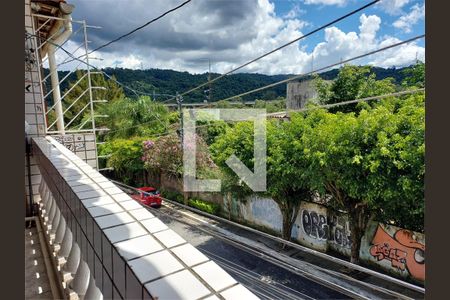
(121, 197)
(74, 181)
(106, 185)
(114, 220)
(85, 188)
(154, 225)
(181, 285)
(169, 238)
(130, 205)
(189, 254)
(124, 232)
(214, 275)
(212, 297)
(97, 211)
(238, 292)
(154, 265)
(90, 194)
(141, 214)
(99, 201)
(113, 190)
(139, 246)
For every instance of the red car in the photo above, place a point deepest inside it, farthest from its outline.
(148, 195)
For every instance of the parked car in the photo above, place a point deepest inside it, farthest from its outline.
(148, 195)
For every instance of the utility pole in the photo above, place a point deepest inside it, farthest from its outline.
(208, 91)
(180, 110)
(209, 79)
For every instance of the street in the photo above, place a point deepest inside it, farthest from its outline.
(265, 279)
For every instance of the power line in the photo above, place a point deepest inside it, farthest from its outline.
(349, 102)
(282, 46)
(317, 70)
(93, 67)
(136, 29)
(300, 110)
(324, 68)
(136, 92)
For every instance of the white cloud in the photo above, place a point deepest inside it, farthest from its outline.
(406, 22)
(186, 44)
(340, 45)
(294, 12)
(392, 7)
(327, 2)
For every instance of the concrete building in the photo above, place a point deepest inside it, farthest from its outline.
(299, 93)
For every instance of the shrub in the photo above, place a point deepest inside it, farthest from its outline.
(171, 195)
(211, 208)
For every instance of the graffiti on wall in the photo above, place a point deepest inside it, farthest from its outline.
(330, 228)
(404, 252)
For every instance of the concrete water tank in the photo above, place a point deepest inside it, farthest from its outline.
(299, 93)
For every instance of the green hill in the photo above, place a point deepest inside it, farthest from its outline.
(160, 81)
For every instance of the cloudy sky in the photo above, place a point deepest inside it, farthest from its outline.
(231, 32)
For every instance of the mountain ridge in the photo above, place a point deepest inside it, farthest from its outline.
(167, 81)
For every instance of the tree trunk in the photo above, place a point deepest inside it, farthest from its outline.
(358, 222)
(228, 197)
(289, 211)
(287, 224)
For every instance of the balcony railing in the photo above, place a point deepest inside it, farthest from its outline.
(106, 245)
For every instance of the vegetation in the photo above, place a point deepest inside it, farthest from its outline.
(371, 162)
(366, 159)
(285, 183)
(169, 82)
(211, 208)
(352, 82)
(165, 154)
(135, 117)
(171, 195)
(76, 98)
(125, 158)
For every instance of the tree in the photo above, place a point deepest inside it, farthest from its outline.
(76, 98)
(286, 184)
(140, 117)
(415, 76)
(276, 105)
(352, 82)
(125, 159)
(372, 164)
(164, 154)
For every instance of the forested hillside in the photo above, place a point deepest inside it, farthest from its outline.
(169, 82)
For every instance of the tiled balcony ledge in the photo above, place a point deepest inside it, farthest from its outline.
(130, 253)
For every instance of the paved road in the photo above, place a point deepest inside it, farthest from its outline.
(265, 279)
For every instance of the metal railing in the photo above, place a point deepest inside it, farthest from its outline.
(78, 99)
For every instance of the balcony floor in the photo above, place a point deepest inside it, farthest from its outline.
(37, 284)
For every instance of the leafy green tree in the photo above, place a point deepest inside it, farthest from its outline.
(272, 106)
(210, 130)
(164, 154)
(76, 98)
(286, 184)
(415, 76)
(125, 159)
(140, 117)
(371, 164)
(352, 82)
